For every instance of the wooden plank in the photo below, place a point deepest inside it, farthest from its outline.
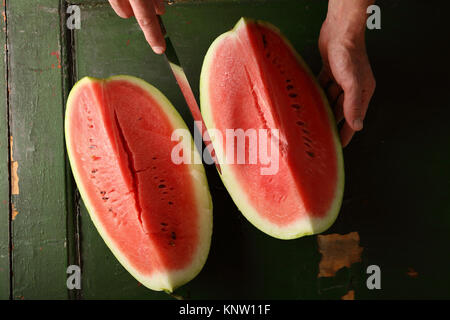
(4, 168)
(73, 216)
(39, 253)
(107, 45)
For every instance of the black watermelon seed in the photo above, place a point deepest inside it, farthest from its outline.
(264, 40)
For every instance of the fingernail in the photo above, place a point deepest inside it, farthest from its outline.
(357, 124)
(158, 50)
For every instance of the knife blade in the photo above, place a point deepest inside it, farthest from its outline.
(186, 90)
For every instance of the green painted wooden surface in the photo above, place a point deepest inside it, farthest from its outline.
(39, 255)
(397, 169)
(4, 171)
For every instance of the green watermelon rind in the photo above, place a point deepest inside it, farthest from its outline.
(237, 193)
(171, 280)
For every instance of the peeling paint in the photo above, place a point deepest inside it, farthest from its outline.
(338, 251)
(58, 58)
(14, 212)
(350, 295)
(48, 9)
(14, 167)
(412, 273)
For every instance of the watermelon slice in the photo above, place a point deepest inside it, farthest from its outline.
(154, 215)
(252, 78)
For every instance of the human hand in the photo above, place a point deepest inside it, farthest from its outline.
(346, 73)
(146, 12)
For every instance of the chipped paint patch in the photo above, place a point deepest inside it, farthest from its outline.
(350, 295)
(14, 167)
(58, 58)
(14, 212)
(412, 273)
(338, 251)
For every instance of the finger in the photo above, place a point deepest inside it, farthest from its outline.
(333, 92)
(354, 106)
(145, 14)
(346, 134)
(338, 108)
(159, 7)
(122, 8)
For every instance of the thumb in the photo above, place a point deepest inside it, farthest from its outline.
(354, 107)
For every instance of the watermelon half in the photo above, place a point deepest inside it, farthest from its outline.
(154, 215)
(252, 78)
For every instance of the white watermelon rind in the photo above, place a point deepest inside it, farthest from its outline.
(167, 281)
(237, 193)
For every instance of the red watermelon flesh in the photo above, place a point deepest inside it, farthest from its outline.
(252, 78)
(154, 215)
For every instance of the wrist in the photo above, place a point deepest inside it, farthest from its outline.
(347, 18)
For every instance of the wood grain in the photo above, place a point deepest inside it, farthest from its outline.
(4, 167)
(39, 255)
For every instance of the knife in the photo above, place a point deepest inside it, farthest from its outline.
(183, 83)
